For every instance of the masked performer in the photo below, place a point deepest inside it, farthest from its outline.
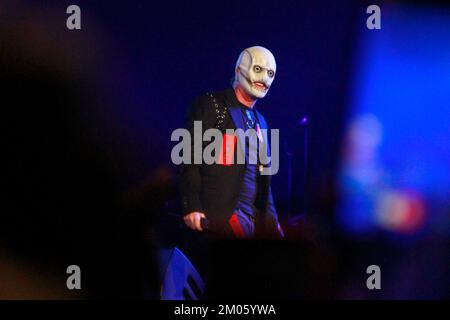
(233, 198)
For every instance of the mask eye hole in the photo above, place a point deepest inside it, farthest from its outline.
(271, 73)
(257, 69)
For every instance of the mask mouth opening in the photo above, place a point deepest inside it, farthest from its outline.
(261, 86)
(257, 85)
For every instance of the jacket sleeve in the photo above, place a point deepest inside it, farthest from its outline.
(190, 174)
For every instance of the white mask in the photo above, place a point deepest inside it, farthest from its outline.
(255, 71)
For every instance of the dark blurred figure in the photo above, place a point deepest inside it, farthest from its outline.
(61, 186)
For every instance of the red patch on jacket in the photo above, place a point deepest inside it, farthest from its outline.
(226, 154)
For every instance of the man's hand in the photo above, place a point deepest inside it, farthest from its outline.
(192, 220)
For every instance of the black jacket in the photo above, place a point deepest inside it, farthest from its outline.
(213, 189)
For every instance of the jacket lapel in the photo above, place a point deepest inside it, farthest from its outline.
(236, 116)
(234, 110)
(265, 153)
(264, 128)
